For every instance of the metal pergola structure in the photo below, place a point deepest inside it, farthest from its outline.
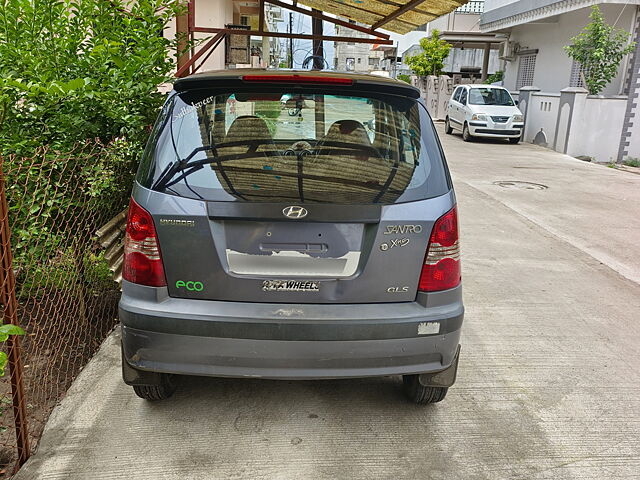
(187, 63)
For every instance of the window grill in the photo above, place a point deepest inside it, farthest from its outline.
(578, 72)
(526, 68)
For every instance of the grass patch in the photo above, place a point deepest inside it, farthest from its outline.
(632, 162)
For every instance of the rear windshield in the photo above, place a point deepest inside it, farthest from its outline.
(490, 96)
(308, 147)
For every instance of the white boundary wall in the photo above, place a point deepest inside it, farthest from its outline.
(596, 131)
(574, 122)
(542, 114)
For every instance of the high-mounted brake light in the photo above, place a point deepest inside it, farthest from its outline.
(441, 269)
(318, 79)
(142, 262)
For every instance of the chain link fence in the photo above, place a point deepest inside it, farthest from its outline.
(56, 283)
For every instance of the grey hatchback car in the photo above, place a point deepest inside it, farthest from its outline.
(292, 225)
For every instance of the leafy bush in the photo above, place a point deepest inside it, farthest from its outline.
(495, 77)
(77, 73)
(54, 193)
(79, 69)
(431, 60)
(5, 331)
(404, 77)
(599, 49)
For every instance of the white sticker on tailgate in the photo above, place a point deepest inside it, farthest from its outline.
(428, 328)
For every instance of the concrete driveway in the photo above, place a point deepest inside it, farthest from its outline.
(549, 381)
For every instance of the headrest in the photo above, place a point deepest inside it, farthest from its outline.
(248, 127)
(349, 131)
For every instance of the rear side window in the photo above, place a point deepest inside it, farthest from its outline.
(456, 95)
(463, 96)
(286, 146)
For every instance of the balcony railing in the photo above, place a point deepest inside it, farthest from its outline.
(474, 6)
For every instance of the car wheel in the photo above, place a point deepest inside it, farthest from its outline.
(466, 136)
(447, 126)
(421, 395)
(514, 140)
(164, 390)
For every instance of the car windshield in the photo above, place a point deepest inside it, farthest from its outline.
(490, 96)
(292, 146)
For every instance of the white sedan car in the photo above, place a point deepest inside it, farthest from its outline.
(484, 111)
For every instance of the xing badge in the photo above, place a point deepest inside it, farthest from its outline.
(394, 242)
(290, 286)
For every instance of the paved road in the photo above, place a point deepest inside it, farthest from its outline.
(549, 382)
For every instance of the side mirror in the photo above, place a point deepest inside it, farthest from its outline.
(516, 102)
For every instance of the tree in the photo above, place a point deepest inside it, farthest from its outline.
(599, 49)
(431, 60)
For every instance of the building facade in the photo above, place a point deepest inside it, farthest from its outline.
(535, 33)
(356, 57)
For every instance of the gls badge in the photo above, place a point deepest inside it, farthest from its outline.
(397, 289)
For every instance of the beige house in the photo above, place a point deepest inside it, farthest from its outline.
(356, 57)
(220, 13)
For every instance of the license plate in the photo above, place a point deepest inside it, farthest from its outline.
(501, 125)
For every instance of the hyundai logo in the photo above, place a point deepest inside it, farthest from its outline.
(295, 212)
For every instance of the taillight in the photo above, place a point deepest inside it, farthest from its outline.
(142, 262)
(441, 269)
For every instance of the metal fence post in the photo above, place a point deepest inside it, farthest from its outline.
(10, 304)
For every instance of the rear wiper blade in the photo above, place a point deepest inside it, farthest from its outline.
(180, 165)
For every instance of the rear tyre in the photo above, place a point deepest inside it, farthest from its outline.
(164, 390)
(447, 127)
(466, 136)
(421, 395)
(514, 141)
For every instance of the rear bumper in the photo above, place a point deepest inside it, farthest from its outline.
(195, 337)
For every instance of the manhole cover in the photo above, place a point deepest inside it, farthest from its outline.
(520, 185)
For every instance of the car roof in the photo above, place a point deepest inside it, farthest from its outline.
(229, 76)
